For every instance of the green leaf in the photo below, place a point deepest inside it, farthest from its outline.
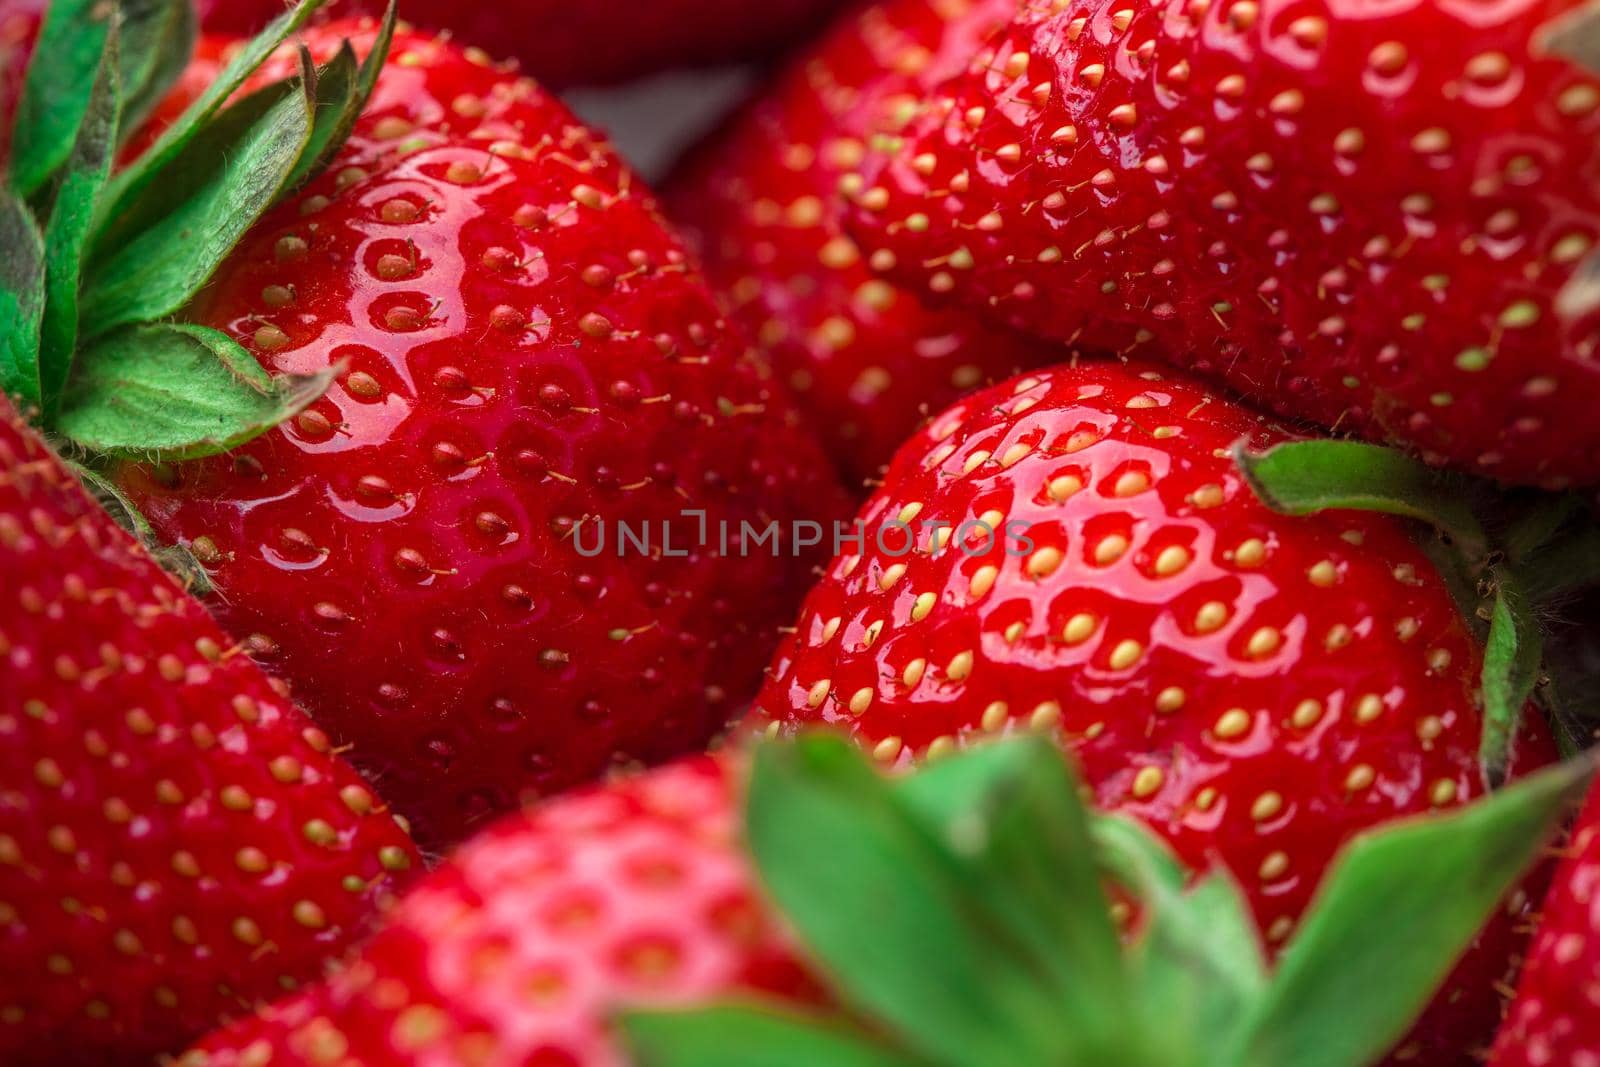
(1305, 477)
(67, 233)
(1511, 660)
(342, 94)
(170, 241)
(891, 915)
(158, 38)
(1390, 920)
(131, 183)
(1011, 814)
(22, 289)
(174, 392)
(57, 90)
(733, 1035)
(1197, 964)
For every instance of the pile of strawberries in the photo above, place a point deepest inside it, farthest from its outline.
(459, 609)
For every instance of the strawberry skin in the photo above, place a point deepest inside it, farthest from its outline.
(1553, 1018)
(864, 359)
(19, 24)
(582, 42)
(1256, 688)
(177, 841)
(524, 349)
(518, 949)
(1308, 204)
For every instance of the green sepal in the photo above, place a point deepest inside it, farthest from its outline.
(1390, 919)
(176, 560)
(22, 294)
(891, 915)
(1512, 656)
(1197, 963)
(1012, 815)
(66, 234)
(734, 1035)
(1306, 477)
(172, 392)
(167, 243)
(342, 90)
(57, 89)
(158, 38)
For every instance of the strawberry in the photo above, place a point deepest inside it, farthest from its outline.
(563, 42)
(1552, 1020)
(957, 915)
(517, 949)
(520, 347)
(19, 24)
(1255, 687)
(1306, 203)
(177, 841)
(864, 359)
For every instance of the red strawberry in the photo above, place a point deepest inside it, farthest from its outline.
(19, 23)
(176, 840)
(1361, 215)
(563, 42)
(526, 362)
(518, 949)
(866, 361)
(1255, 687)
(1552, 1020)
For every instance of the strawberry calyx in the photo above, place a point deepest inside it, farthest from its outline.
(99, 260)
(961, 915)
(1510, 579)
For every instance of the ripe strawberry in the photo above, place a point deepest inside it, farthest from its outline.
(1552, 1020)
(19, 23)
(176, 840)
(519, 948)
(522, 349)
(864, 359)
(1309, 203)
(1255, 687)
(565, 43)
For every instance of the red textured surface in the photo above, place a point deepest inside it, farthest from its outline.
(864, 359)
(1257, 688)
(517, 951)
(1357, 213)
(563, 42)
(1555, 1018)
(177, 841)
(523, 346)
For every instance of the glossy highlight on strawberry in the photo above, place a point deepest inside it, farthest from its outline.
(1256, 688)
(761, 202)
(1366, 216)
(521, 346)
(177, 841)
(520, 948)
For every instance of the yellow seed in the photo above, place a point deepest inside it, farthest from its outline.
(1130, 483)
(1110, 549)
(1430, 727)
(1064, 486)
(1205, 798)
(887, 749)
(1232, 723)
(960, 667)
(1251, 554)
(1079, 628)
(1443, 792)
(924, 604)
(1339, 635)
(1045, 716)
(1147, 782)
(1360, 777)
(1306, 714)
(1324, 574)
(941, 746)
(1171, 560)
(995, 715)
(1275, 866)
(861, 700)
(1126, 654)
(1211, 616)
(1208, 496)
(1044, 562)
(1170, 699)
(1267, 806)
(891, 574)
(982, 581)
(1264, 642)
(1368, 708)
(830, 628)
(913, 672)
(818, 693)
